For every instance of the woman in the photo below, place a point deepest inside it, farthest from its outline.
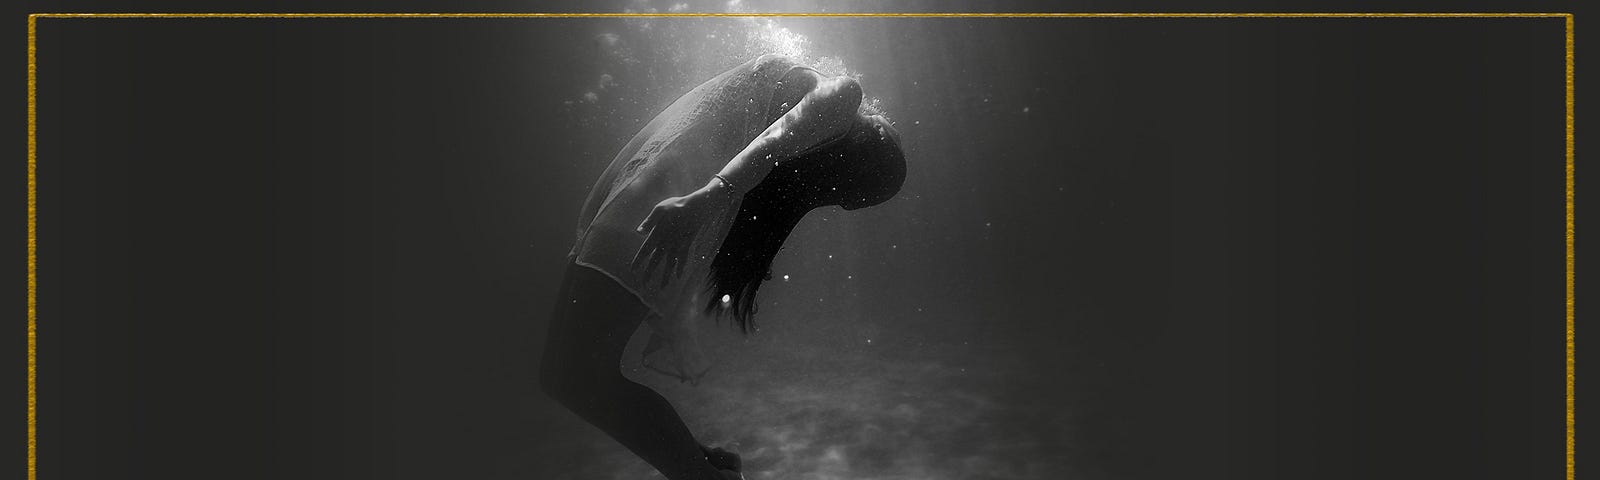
(682, 228)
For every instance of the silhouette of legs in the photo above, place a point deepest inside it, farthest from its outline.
(593, 319)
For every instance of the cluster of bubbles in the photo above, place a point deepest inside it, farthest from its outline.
(643, 63)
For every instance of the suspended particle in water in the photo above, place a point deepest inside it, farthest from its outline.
(726, 299)
(785, 278)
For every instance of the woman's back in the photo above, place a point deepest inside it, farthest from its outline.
(675, 154)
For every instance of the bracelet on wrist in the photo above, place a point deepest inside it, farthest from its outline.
(725, 183)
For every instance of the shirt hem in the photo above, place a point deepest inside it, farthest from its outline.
(625, 286)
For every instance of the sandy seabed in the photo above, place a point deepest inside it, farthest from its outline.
(855, 414)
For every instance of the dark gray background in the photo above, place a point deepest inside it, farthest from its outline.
(1211, 248)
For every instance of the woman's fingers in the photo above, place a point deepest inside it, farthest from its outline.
(688, 249)
(650, 254)
(649, 221)
(645, 250)
(666, 245)
(652, 239)
(656, 255)
(661, 251)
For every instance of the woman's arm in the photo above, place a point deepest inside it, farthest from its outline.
(824, 114)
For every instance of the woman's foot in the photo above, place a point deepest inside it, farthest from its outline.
(723, 459)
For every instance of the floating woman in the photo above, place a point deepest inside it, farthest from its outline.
(682, 227)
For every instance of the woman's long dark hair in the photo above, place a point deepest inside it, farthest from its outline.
(863, 169)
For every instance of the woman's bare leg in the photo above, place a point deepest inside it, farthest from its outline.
(593, 319)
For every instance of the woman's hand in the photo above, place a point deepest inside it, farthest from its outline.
(675, 224)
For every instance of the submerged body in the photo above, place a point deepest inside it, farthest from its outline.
(682, 227)
(676, 153)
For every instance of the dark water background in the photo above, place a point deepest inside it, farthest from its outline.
(1126, 248)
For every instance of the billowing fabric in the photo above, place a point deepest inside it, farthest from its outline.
(674, 155)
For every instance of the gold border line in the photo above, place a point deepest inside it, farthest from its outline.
(918, 15)
(33, 255)
(33, 141)
(1572, 376)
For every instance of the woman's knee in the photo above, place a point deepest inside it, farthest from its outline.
(585, 392)
(588, 333)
